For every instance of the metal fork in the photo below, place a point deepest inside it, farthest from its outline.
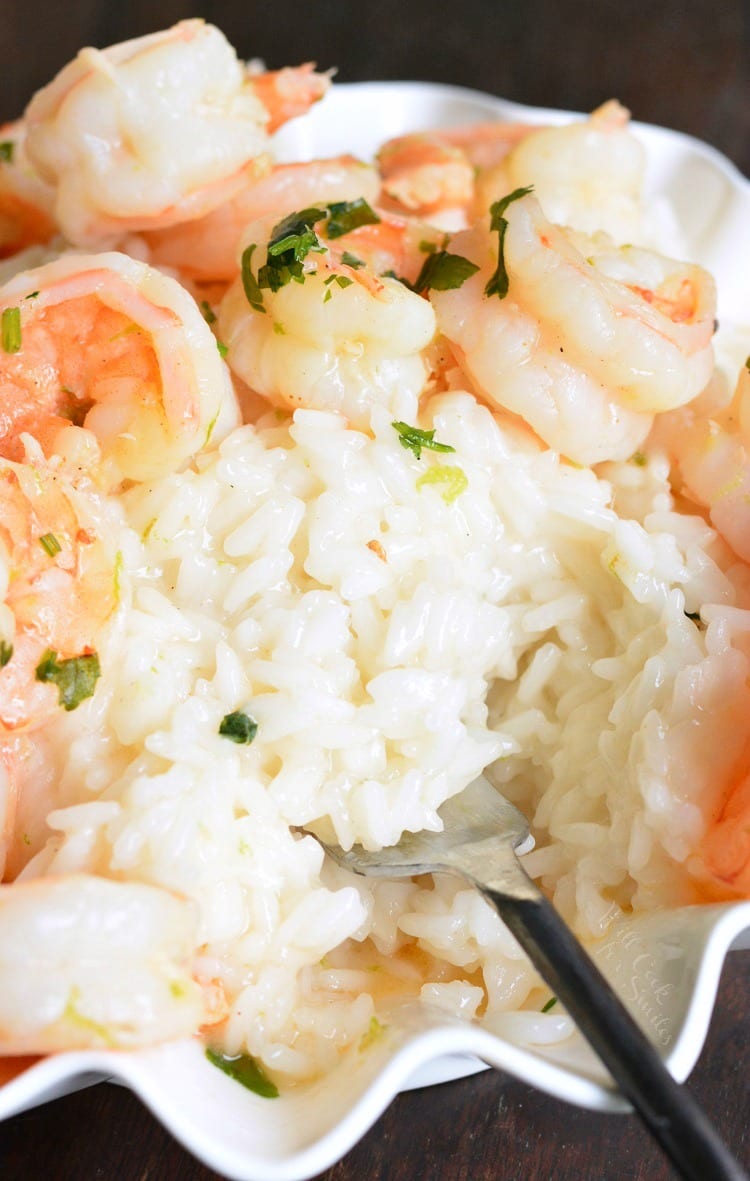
(483, 833)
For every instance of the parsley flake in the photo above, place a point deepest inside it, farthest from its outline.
(550, 1003)
(454, 479)
(253, 293)
(7, 148)
(75, 678)
(223, 350)
(442, 271)
(6, 651)
(499, 282)
(50, 544)
(10, 330)
(291, 241)
(245, 1070)
(351, 260)
(414, 439)
(345, 216)
(239, 727)
(209, 315)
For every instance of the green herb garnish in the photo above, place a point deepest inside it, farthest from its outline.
(442, 271)
(10, 330)
(244, 1069)
(209, 315)
(239, 727)
(291, 242)
(454, 479)
(747, 363)
(6, 651)
(550, 1003)
(639, 459)
(50, 544)
(7, 148)
(253, 293)
(75, 678)
(223, 350)
(413, 439)
(345, 216)
(351, 260)
(498, 282)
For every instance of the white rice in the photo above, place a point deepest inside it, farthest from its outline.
(390, 647)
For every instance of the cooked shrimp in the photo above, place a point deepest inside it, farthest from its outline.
(712, 454)
(432, 174)
(112, 345)
(91, 963)
(587, 174)
(584, 348)
(155, 131)
(288, 92)
(25, 200)
(208, 248)
(59, 587)
(339, 338)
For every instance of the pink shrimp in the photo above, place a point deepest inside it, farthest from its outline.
(109, 344)
(25, 200)
(207, 249)
(59, 589)
(180, 125)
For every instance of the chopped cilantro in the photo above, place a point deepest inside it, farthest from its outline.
(209, 315)
(10, 330)
(550, 1003)
(75, 678)
(7, 148)
(639, 459)
(279, 328)
(498, 282)
(291, 242)
(32, 295)
(747, 363)
(454, 479)
(244, 1069)
(253, 293)
(442, 271)
(6, 651)
(345, 216)
(238, 727)
(50, 544)
(413, 439)
(351, 260)
(223, 350)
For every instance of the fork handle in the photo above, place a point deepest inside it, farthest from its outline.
(671, 1113)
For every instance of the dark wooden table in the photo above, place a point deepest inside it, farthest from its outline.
(681, 63)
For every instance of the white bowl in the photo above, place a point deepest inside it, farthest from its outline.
(666, 966)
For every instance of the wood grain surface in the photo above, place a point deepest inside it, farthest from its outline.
(681, 63)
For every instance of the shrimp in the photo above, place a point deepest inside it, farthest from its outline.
(712, 456)
(433, 174)
(59, 588)
(338, 338)
(156, 131)
(109, 344)
(587, 175)
(207, 249)
(586, 348)
(91, 963)
(25, 200)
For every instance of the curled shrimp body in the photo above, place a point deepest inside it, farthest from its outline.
(585, 348)
(208, 249)
(712, 455)
(86, 962)
(58, 587)
(109, 344)
(343, 339)
(25, 200)
(587, 174)
(154, 131)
